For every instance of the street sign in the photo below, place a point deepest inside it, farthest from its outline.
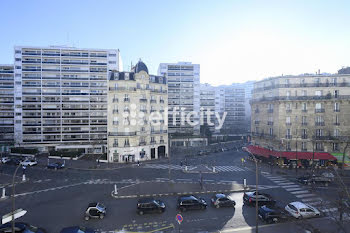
(17, 214)
(179, 218)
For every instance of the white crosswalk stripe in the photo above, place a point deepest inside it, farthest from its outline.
(300, 192)
(229, 169)
(311, 200)
(165, 166)
(305, 195)
(293, 189)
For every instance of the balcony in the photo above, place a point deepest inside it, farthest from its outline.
(126, 100)
(115, 144)
(143, 100)
(337, 123)
(153, 142)
(288, 110)
(122, 133)
(269, 110)
(319, 124)
(115, 100)
(304, 110)
(270, 123)
(319, 110)
(115, 111)
(153, 101)
(288, 136)
(161, 141)
(153, 110)
(127, 110)
(337, 110)
(143, 110)
(256, 122)
(304, 123)
(142, 143)
(304, 136)
(257, 110)
(115, 123)
(161, 101)
(288, 123)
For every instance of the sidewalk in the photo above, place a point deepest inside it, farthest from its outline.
(166, 188)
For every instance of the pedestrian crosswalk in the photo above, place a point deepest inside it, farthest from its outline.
(229, 169)
(189, 168)
(302, 193)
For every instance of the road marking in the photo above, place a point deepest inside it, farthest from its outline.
(330, 210)
(311, 199)
(305, 195)
(283, 184)
(279, 181)
(300, 192)
(290, 186)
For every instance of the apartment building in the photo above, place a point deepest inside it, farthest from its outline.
(137, 104)
(207, 103)
(302, 113)
(61, 97)
(183, 93)
(6, 107)
(234, 106)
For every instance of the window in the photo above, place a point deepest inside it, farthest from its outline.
(304, 106)
(18, 114)
(336, 132)
(271, 131)
(18, 98)
(288, 120)
(126, 142)
(18, 59)
(334, 81)
(319, 132)
(336, 146)
(318, 106)
(318, 93)
(336, 93)
(319, 146)
(288, 133)
(288, 93)
(112, 62)
(112, 55)
(304, 133)
(18, 51)
(303, 119)
(18, 67)
(288, 106)
(288, 147)
(304, 92)
(304, 146)
(337, 119)
(336, 107)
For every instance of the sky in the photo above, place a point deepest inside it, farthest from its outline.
(233, 41)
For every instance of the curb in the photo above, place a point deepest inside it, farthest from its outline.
(176, 194)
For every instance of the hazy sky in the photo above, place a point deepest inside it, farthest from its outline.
(233, 41)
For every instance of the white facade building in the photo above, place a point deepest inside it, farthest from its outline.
(183, 93)
(61, 97)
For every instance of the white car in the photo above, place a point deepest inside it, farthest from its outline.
(29, 162)
(301, 210)
(5, 159)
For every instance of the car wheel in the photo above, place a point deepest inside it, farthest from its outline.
(326, 184)
(101, 216)
(160, 211)
(141, 212)
(217, 206)
(87, 218)
(204, 207)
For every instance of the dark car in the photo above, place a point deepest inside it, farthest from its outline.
(150, 205)
(57, 165)
(191, 203)
(272, 214)
(313, 179)
(95, 210)
(77, 229)
(20, 227)
(221, 200)
(249, 198)
(14, 161)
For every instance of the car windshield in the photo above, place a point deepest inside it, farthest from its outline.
(100, 206)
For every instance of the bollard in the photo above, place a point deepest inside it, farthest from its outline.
(244, 183)
(185, 168)
(3, 196)
(23, 178)
(115, 190)
(213, 169)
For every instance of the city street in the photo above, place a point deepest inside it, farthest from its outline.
(58, 198)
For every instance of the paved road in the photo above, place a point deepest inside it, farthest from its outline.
(56, 199)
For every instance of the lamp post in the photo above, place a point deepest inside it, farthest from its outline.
(256, 195)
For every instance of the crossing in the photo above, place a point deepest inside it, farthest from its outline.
(189, 168)
(229, 169)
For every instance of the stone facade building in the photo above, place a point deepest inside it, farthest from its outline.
(134, 99)
(301, 113)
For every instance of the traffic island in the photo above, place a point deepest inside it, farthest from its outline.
(168, 188)
(199, 169)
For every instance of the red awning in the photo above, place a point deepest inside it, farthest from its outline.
(261, 151)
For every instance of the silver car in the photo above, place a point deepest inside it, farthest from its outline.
(301, 210)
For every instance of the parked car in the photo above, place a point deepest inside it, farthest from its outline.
(14, 161)
(5, 159)
(249, 198)
(273, 214)
(29, 162)
(301, 210)
(190, 202)
(95, 210)
(57, 165)
(21, 227)
(150, 205)
(77, 229)
(221, 200)
(313, 179)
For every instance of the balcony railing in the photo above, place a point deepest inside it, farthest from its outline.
(122, 133)
(143, 100)
(319, 110)
(256, 122)
(288, 123)
(304, 110)
(115, 144)
(153, 101)
(319, 123)
(304, 136)
(288, 136)
(282, 98)
(270, 123)
(161, 101)
(304, 123)
(161, 141)
(336, 123)
(257, 111)
(115, 111)
(115, 123)
(270, 110)
(142, 143)
(115, 100)
(336, 110)
(288, 110)
(126, 100)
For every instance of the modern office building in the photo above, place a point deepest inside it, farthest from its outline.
(6, 107)
(302, 113)
(137, 116)
(183, 94)
(61, 97)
